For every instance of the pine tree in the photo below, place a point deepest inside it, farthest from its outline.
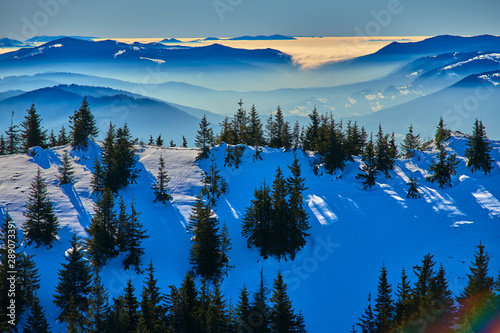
(300, 325)
(125, 171)
(383, 159)
(281, 227)
(312, 131)
(102, 240)
(3, 145)
(299, 217)
(13, 137)
(134, 235)
(243, 311)
(73, 318)
(204, 138)
(217, 314)
(335, 156)
(442, 299)
(160, 187)
(125, 312)
(151, 141)
(52, 139)
(205, 254)
(413, 192)
(478, 151)
(214, 185)
(444, 168)
(83, 126)
(185, 307)
(283, 318)
(225, 248)
(260, 315)
(402, 306)
(255, 133)
(41, 225)
(411, 143)
(421, 296)
(296, 141)
(75, 280)
(62, 138)
(367, 320)
(256, 227)
(184, 142)
(65, 170)
(226, 133)
(98, 310)
(32, 134)
(240, 125)
(369, 169)
(159, 141)
(152, 314)
(172, 144)
(36, 321)
(383, 304)
(442, 134)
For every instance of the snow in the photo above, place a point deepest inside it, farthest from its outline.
(352, 233)
(119, 52)
(158, 61)
(491, 56)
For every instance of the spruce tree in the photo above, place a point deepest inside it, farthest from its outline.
(205, 255)
(36, 322)
(367, 320)
(421, 294)
(226, 133)
(32, 134)
(282, 316)
(217, 314)
(160, 187)
(255, 135)
(125, 171)
(41, 225)
(214, 185)
(151, 141)
(312, 131)
(132, 244)
(240, 125)
(281, 227)
(184, 307)
(159, 141)
(66, 171)
(444, 168)
(354, 141)
(3, 145)
(478, 151)
(296, 141)
(260, 315)
(204, 138)
(369, 167)
(442, 134)
(125, 312)
(152, 313)
(13, 137)
(102, 240)
(83, 126)
(98, 309)
(52, 140)
(172, 144)
(383, 159)
(335, 156)
(184, 142)
(73, 318)
(411, 143)
(442, 299)
(403, 305)
(62, 138)
(243, 311)
(225, 248)
(383, 304)
(75, 280)
(413, 192)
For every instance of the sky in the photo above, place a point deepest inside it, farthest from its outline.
(23, 19)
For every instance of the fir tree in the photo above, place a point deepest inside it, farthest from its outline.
(204, 138)
(369, 169)
(159, 141)
(52, 139)
(185, 307)
(184, 142)
(152, 314)
(125, 313)
(255, 135)
(444, 168)
(73, 318)
(214, 185)
(3, 145)
(125, 171)
(413, 192)
(421, 296)
(383, 304)
(383, 159)
(243, 311)
(411, 143)
(102, 240)
(442, 134)
(62, 138)
(296, 141)
(335, 156)
(478, 151)
(151, 141)
(205, 254)
(98, 310)
(227, 134)
(83, 126)
(240, 125)
(13, 137)
(442, 300)
(134, 235)
(32, 134)
(172, 144)
(65, 170)
(260, 315)
(225, 248)
(36, 321)
(75, 280)
(402, 306)
(160, 187)
(282, 316)
(281, 227)
(41, 225)
(312, 131)
(217, 314)
(354, 141)
(367, 320)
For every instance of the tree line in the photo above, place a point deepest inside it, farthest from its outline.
(428, 305)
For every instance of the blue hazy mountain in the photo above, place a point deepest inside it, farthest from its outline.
(170, 40)
(8, 42)
(46, 39)
(262, 37)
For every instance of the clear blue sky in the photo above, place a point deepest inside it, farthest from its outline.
(224, 18)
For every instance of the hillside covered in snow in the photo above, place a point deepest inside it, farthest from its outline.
(354, 231)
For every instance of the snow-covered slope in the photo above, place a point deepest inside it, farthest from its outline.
(353, 231)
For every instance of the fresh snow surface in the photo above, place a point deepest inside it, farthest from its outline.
(353, 231)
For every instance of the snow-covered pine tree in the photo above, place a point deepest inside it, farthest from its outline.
(354, 141)
(184, 307)
(75, 280)
(281, 219)
(443, 300)
(41, 225)
(214, 185)
(369, 168)
(204, 138)
(3, 145)
(125, 171)
(442, 134)
(32, 133)
(160, 187)
(172, 144)
(384, 307)
(225, 247)
(66, 171)
(411, 143)
(479, 148)
(83, 126)
(217, 316)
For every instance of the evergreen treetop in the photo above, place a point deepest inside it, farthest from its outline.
(32, 134)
